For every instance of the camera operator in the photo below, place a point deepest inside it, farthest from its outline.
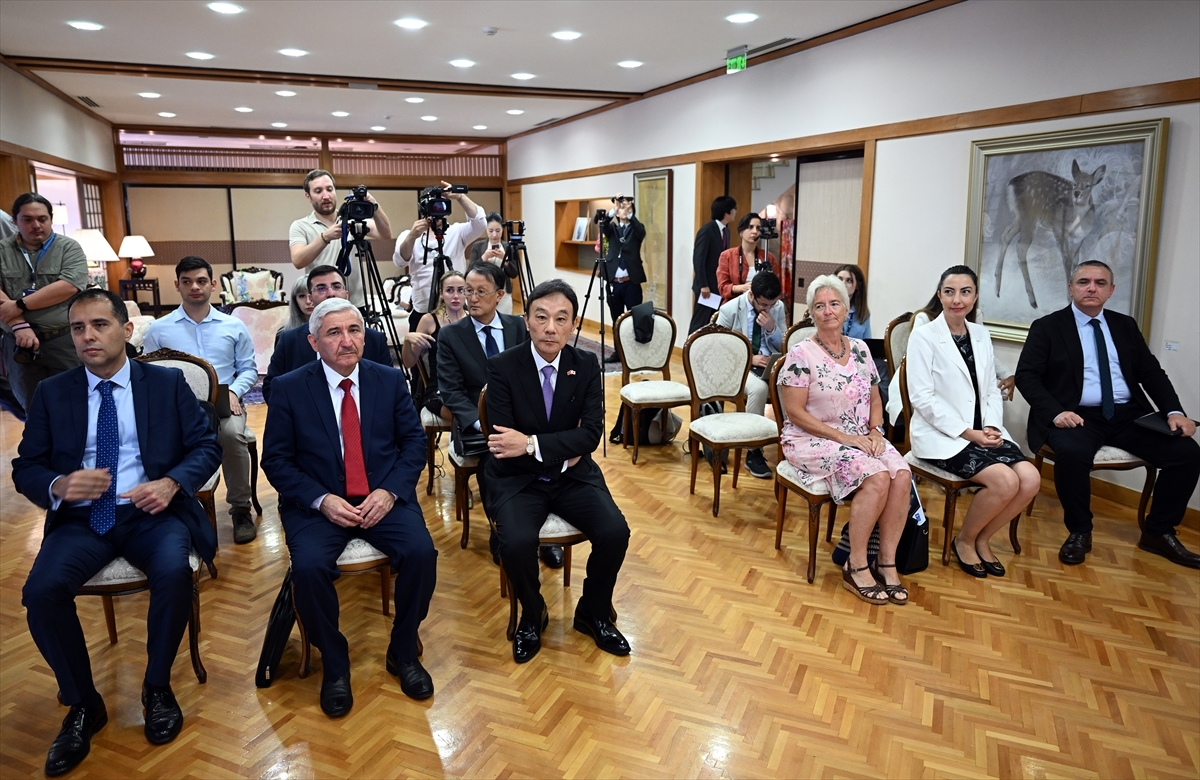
(623, 263)
(317, 238)
(417, 251)
(493, 250)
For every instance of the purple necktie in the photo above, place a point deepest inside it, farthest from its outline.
(548, 389)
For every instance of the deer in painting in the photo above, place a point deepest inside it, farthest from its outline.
(1062, 206)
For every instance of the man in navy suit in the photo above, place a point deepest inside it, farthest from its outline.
(344, 448)
(115, 451)
(544, 407)
(292, 349)
(711, 240)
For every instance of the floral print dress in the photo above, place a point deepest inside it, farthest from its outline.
(840, 397)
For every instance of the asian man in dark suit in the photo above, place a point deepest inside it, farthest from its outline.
(344, 447)
(711, 240)
(292, 349)
(115, 451)
(1086, 373)
(546, 417)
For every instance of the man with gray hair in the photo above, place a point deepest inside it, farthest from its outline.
(328, 497)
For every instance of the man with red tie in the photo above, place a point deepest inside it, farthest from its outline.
(350, 473)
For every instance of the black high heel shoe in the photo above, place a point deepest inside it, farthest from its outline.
(993, 568)
(974, 569)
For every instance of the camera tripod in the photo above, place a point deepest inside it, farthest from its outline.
(354, 234)
(517, 252)
(437, 226)
(601, 269)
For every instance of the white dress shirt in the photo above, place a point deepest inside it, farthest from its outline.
(1091, 367)
(420, 267)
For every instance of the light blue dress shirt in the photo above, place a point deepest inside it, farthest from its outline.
(1091, 368)
(771, 342)
(497, 332)
(220, 339)
(855, 329)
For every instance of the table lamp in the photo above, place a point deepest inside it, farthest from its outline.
(135, 248)
(97, 250)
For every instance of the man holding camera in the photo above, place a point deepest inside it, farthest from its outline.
(417, 249)
(492, 250)
(623, 263)
(39, 272)
(317, 238)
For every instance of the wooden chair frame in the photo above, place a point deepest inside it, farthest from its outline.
(633, 411)
(893, 364)
(431, 431)
(384, 567)
(1046, 453)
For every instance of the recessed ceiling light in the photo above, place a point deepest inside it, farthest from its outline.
(566, 35)
(515, 111)
(150, 95)
(409, 23)
(226, 8)
(261, 137)
(630, 64)
(480, 127)
(287, 138)
(243, 109)
(378, 128)
(741, 18)
(429, 118)
(462, 143)
(293, 52)
(370, 140)
(166, 114)
(341, 113)
(339, 140)
(279, 124)
(414, 100)
(523, 76)
(87, 26)
(286, 93)
(461, 63)
(199, 55)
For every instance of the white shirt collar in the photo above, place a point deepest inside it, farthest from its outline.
(1082, 319)
(334, 378)
(495, 323)
(541, 362)
(120, 379)
(180, 314)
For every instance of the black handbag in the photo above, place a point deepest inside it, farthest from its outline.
(912, 553)
(279, 629)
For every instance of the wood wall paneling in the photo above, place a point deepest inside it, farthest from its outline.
(16, 178)
(741, 188)
(710, 185)
(112, 211)
(868, 196)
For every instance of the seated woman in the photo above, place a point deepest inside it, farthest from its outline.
(858, 322)
(301, 307)
(450, 309)
(737, 265)
(828, 389)
(958, 416)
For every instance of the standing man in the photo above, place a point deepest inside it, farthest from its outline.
(292, 349)
(1086, 373)
(317, 238)
(344, 447)
(114, 450)
(623, 263)
(416, 250)
(711, 240)
(197, 328)
(39, 272)
(545, 410)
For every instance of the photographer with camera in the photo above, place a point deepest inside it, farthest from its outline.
(417, 250)
(493, 250)
(623, 263)
(317, 238)
(738, 265)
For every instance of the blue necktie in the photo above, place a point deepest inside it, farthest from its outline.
(108, 447)
(489, 342)
(1107, 406)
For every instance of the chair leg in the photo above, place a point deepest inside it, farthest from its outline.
(385, 583)
(462, 486)
(567, 564)
(503, 581)
(1037, 464)
(612, 613)
(512, 614)
(305, 648)
(948, 524)
(832, 518)
(194, 632)
(253, 447)
(814, 530)
(737, 465)
(694, 446)
(110, 618)
(420, 647)
(717, 481)
(636, 414)
(430, 450)
(1147, 492)
(781, 496)
(1012, 534)
(626, 428)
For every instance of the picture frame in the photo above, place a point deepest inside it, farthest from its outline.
(653, 193)
(581, 229)
(1040, 204)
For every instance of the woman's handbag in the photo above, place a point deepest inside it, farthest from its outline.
(912, 552)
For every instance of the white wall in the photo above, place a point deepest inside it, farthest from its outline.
(34, 118)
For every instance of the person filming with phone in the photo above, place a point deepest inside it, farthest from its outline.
(493, 250)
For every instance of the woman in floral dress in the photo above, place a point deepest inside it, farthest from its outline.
(828, 389)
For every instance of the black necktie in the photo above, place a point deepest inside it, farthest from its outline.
(489, 342)
(1107, 406)
(725, 236)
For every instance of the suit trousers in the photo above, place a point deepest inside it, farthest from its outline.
(234, 437)
(589, 508)
(1178, 459)
(73, 553)
(314, 550)
(701, 316)
(622, 297)
(757, 393)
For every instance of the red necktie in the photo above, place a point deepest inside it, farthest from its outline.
(356, 469)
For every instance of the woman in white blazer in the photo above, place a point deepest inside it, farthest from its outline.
(958, 420)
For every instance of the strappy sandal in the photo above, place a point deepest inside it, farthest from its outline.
(893, 591)
(870, 594)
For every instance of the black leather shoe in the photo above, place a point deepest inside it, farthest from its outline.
(974, 569)
(552, 555)
(528, 638)
(607, 637)
(1169, 547)
(75, 739)
(336, 696)
(1075, 549)
(414, 680)
(244, 529)
(164, 719)
(613, 358)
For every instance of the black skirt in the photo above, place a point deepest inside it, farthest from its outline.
(974, 459)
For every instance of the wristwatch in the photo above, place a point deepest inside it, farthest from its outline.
(21, 304)
(529, 449)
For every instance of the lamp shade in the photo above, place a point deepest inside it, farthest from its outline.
(61, 215)
(135, 246)
(95, 247)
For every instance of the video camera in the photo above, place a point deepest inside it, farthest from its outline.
(515, 229)
(768, 229)
(432, 202)
(356, 207)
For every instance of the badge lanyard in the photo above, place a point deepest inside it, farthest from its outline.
(33, 264)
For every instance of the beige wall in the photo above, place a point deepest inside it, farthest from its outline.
(36, 119)
(178, 213)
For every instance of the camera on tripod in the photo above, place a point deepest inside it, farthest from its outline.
(356, 207)
(768, 229)
(516, 232)
(601, 218)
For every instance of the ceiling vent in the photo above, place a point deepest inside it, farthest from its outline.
(779, 44)
(546, 122)
(87, 101)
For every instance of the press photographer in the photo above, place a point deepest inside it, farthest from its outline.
(623, 262)
(494, 250)
(417, 251)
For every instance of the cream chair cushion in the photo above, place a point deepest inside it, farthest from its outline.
(732, 427)
(359, 551)
(121, 572)
(557, 528)
(801, 479)
(656, 391)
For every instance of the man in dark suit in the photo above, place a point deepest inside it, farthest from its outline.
(711, 240)
(115, 451)
(292, 349)
(544, 406)
(623, 263)
(344, 447)
(1085, 373)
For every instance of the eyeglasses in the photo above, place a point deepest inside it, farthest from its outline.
(326, 289)
(480, 293)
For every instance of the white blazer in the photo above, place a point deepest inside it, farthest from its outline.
(939, 389)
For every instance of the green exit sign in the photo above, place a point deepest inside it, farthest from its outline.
(735, 60)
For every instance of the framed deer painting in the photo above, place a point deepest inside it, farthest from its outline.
(1041, 204)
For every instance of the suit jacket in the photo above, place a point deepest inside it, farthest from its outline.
(705, 256)
(1050, 371)
(302, 450)
(514, 400)
(941, 393)
(174, 437)
(462, 367)
(292, 350)
(629, 250)
(733, 314)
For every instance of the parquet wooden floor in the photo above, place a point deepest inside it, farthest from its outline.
(739, 668)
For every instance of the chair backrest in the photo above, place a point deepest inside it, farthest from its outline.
(252, 284)
(198, 372)
(773, 389)
(903, 445)
(713, 319)
(797, 333)
(263, 319)
(482, 410)
(717, 361)
(895, 340)
(654, 355)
